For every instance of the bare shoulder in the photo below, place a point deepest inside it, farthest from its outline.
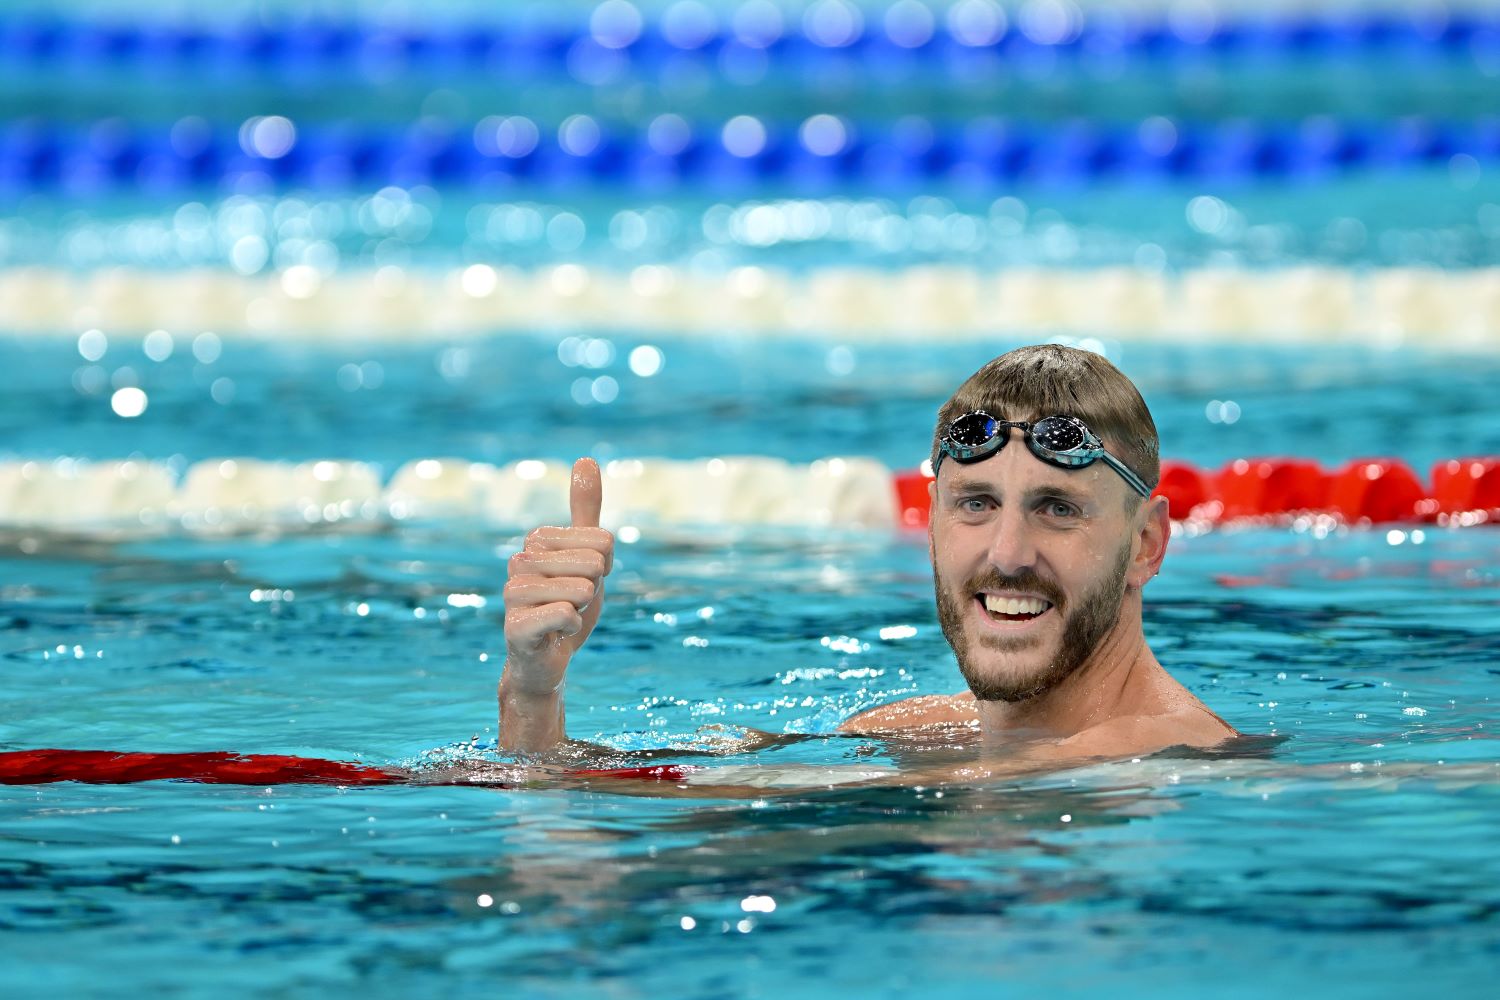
(1139, 734)
(911, 713)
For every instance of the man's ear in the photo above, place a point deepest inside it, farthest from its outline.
(1154, 530)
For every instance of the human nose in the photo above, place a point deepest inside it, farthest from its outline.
(1012, 547)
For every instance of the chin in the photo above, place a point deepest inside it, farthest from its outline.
(1013, 676)
(1009, 662)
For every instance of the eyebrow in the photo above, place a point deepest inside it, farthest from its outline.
(1047, 492)
(969, 486)
(1058, 493)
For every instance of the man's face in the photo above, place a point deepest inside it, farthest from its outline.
(1030, 566)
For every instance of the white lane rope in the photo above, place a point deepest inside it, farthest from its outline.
(133, 497)
(1450, 309)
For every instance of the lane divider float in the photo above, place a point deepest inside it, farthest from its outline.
(1460, 492)
(104, 767)
(827, 36)
(1457, 309)
(226, 496)
(740, 154)
(109, 767)
(239, 494)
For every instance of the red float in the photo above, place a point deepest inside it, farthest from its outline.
(1256, 487)
(1378, 490)
(913, 498)
(1463, 485)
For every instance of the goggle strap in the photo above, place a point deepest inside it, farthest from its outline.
(1131, 479)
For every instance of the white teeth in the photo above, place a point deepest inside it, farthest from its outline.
(1015, 605)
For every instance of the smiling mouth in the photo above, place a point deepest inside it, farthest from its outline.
(1012, 609)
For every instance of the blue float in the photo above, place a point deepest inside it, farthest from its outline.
(987, 152)
(321, 45)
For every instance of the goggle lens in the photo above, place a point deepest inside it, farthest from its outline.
(1058, 434)
(972, 430)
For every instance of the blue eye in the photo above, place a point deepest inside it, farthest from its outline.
(1059, 508)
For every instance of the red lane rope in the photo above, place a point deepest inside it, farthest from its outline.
(108, 767)
(1460, 492)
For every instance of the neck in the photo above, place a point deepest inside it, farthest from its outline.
(1109, 683)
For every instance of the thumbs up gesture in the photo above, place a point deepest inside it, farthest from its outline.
(553, 594)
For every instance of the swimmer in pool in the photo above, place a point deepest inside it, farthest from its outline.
(1043, 536)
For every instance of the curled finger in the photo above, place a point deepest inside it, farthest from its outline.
(528, 628)
(550, 539)
(562, 562)
(535, 591)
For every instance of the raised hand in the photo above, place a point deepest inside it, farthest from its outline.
(553, 595)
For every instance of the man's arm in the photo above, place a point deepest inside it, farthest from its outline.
(553, 594)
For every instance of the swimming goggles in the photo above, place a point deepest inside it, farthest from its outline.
(1065, 442)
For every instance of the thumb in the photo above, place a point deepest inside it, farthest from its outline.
(586, 495)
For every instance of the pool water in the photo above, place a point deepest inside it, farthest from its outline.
(1356, 855)
(1430, 215)
(1350, 854)
(501, 399)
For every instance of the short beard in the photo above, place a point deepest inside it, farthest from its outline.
(1083, 629)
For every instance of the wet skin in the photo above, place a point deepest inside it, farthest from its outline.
(1076, 681)
(554, 592)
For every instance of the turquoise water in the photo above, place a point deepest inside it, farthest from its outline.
(1350, 856)
(1046, 89)
(1357, 855)
(1433, 216)
(502, 399)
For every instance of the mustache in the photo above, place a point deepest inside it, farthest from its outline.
(1027, 580)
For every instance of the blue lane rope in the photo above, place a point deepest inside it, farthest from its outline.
(984, 154)
(334, 47)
